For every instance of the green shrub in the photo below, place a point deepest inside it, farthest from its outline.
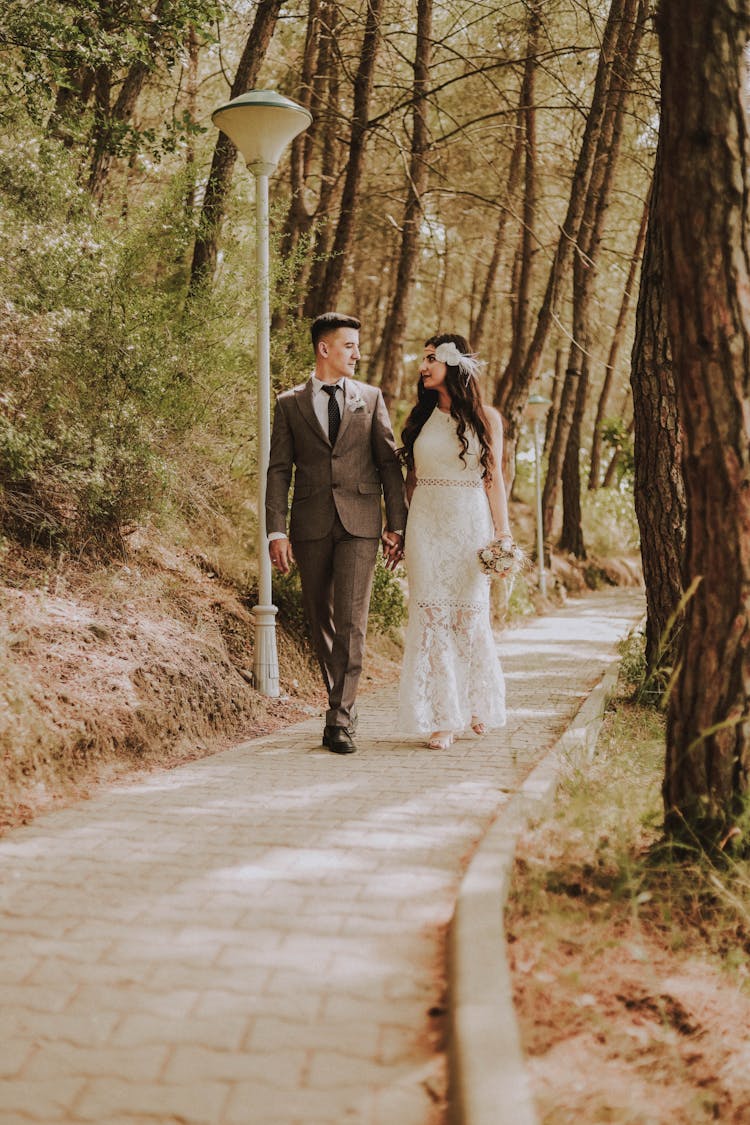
(609, 521)
(104, 371)
(387, 601)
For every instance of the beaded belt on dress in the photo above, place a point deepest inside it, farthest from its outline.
(455, 483)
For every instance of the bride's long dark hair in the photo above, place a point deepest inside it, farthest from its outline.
(466, 408)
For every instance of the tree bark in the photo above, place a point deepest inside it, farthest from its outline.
(527, 242)
(554, 408)
(703, 211)
(225, 154)
(298, 218)
(514, 170)
(325, 297)
(395, 326)
(614, 353)
(326, 78)
(192, 111)
(659, 489)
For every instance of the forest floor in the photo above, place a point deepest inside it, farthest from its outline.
(631, 962)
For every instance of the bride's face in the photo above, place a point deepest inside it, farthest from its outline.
(433, 372)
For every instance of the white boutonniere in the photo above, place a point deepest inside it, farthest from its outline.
(356, 403)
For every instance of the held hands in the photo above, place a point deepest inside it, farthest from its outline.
(393, 549)
(282, 558)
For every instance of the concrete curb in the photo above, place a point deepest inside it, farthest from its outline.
(488, 1080)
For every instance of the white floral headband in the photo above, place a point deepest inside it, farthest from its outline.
(468, 365)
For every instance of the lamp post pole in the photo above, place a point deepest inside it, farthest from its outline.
(536, 409)
(265, 660)
(261, 123)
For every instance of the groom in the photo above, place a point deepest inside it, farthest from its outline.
(336, 436)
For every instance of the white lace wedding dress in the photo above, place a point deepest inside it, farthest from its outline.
(451, 673)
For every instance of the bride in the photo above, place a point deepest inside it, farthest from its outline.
(452, 449)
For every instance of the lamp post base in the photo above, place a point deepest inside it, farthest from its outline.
(266, 661)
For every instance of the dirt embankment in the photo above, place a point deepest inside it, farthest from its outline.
(143, 662)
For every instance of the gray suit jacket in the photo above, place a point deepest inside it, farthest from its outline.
(348, 479)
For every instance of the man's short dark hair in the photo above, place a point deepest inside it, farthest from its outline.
(328, 322)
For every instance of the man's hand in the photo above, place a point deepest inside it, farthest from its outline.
(393, 549)
(280, 551)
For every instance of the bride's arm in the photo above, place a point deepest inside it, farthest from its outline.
(411, 484)
(495, 488)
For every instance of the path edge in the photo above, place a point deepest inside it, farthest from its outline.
(487, 1072)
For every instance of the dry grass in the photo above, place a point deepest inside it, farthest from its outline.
(631, 962)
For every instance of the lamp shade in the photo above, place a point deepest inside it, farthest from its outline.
(261, 123)
(536, 407)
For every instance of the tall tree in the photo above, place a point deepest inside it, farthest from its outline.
(325, 296)
(704, 214)
(395, 326)
(659, 489)
(526, 251)
(485, 302)
(614, 352)
(585, 270)
(510, 396)
(595, 198)
(225, 154)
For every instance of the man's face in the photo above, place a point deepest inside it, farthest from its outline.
(340, 350)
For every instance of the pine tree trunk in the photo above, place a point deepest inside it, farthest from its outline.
(527, 241)
(326, 84)
(614, 353)
(395, 327)
(298, 219)
(554, 409)
(659, 490)
(584, 275)
(225, 154)
(191, 107)
(325, 297)
(514, 170)
(703, 212)
(571, 535)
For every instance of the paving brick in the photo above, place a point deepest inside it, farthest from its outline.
(251, 1104)
(134, 1064)
(13, 1055)
(257, 937)
(42, 1102)
(88, 1030)
(191, 1103)
(224, 1033)
(282, 1068)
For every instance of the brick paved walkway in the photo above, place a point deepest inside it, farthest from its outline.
(258, 937)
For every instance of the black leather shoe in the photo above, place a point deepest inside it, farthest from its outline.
(338, 740)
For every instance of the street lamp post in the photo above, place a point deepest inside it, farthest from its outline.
(536, 408)
(261, 123)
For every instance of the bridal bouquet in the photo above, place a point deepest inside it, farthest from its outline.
(501, 558)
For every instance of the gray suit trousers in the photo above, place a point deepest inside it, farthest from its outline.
(336, 574)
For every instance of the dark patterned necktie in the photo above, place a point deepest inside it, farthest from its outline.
(334, 414)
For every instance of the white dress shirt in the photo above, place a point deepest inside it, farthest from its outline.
(321, 399)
